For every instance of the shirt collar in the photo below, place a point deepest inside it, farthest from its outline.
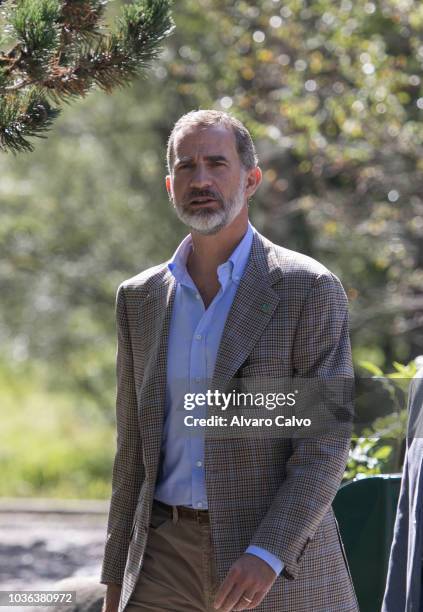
(177, 263)
(232, 269)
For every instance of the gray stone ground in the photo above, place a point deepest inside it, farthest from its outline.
(38, 549)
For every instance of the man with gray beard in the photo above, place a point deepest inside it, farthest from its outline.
(240, 523)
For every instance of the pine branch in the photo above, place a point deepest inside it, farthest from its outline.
(63, 51)
(23, 117)
(118, 59)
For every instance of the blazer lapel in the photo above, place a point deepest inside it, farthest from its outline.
(253, 307)
(157, 311)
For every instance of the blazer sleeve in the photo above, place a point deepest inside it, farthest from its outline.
(317, 463)
(128, 471)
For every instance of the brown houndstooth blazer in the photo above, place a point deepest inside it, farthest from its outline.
(272, 492)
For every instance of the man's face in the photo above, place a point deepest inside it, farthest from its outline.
(208, 182)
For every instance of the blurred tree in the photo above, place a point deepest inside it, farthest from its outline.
(380, 447)
(334, 94)
(61, 51)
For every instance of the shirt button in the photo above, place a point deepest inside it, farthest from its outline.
(198, 336)
(199, 504)
(198, 380)
(198, 464)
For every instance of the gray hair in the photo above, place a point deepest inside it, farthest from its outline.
(205, 118)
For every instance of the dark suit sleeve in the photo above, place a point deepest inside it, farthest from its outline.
(317, 463)
(396, 583)
(396, 586)
(128, 471)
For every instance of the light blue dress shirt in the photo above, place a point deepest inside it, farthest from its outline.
(194, 339)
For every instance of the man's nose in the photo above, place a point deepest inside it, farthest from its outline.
(200, 177)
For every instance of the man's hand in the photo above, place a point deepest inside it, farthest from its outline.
(246, 584)
(111, 601)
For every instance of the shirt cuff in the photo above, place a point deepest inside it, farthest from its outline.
(275, 563)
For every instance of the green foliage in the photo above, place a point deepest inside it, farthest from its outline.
(77, 217)
(62, 52)
(396, 383)
(29, 115)
(48, 447)
(35, 25)
(379, 449)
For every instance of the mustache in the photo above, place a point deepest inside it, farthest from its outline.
(203, 193)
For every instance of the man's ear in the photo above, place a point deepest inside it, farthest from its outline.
(168, 185)
(254, 178)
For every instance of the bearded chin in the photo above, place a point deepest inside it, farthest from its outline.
(204, 222)
(209, 222)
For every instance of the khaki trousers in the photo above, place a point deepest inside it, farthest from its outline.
(178, 572)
